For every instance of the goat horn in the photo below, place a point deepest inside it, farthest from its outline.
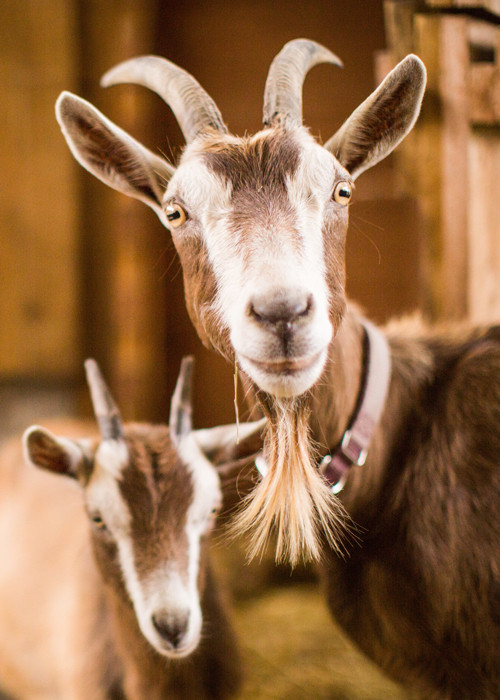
(105, 410)
(283, 91)
(193, 108)
(180, 407)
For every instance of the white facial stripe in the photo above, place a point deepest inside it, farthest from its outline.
(168, 592)
(103, 496)
(112, 455)
(207, 494)
(165, 592)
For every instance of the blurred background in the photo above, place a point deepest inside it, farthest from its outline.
(85, 271)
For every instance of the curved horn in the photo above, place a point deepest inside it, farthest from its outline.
(105, 410)
(283, 91)
(193, 108)
(180, 421)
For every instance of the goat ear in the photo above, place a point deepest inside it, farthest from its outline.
(232, 450)
(111, 154)
(382, 121)
(230, 441)
(55, 454)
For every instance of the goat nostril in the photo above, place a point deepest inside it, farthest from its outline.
(172, 628)
(282, 309)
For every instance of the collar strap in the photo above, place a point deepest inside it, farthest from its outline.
(353, 448)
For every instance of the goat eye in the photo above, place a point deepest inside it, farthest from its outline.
(342, 193)
(175, 214)
(98, 522)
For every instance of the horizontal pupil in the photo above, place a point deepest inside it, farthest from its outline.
(344, 193)
(174, 215)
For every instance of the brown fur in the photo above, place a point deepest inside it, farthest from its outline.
(421, 593)
(200, 290)
(255, 163)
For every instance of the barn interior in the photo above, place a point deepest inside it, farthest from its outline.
(87, 272)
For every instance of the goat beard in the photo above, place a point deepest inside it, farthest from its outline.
(292, 502)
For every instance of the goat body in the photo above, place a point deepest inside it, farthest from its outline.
(420, 594)
(106, 590)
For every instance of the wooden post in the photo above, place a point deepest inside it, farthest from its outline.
(39, 299)
(127, 302)
(450, 163)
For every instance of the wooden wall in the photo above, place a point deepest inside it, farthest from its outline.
(451, 161)
(84, 270)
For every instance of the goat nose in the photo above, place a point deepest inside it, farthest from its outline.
(172, 628)
(281, 308)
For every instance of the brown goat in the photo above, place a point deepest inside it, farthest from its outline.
(260, 223)
(111, 595)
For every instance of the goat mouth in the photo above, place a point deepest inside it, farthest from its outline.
(176, 652)
(285, 377)
(285, 367)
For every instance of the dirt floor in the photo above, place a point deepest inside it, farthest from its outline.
(291, 648)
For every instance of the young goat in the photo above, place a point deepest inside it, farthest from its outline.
(259, 223)
(112, 595)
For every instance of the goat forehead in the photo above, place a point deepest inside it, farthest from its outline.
(112, 456)
(156, 485)
(270, 160)
(169, 494)
(264, 160)
(216, 175)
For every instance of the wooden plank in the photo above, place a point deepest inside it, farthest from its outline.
(484, 222)
(38, 190)
(484, 93)
(490, 5)
(423, 156)
(453, 84)
(127, 304)
(399, 20)
(433, 160)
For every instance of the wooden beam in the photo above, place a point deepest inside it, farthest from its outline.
(126, 304)
(39, 334)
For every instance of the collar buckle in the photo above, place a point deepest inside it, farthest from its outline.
(333, 472)
(352, 449)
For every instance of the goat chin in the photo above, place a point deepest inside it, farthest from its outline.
(292, 502)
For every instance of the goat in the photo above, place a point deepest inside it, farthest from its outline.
(259, 223)
(112, 595)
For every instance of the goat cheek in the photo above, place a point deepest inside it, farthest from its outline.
(335, 273)
(203, 565)
(199, 290)
(106, 555)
